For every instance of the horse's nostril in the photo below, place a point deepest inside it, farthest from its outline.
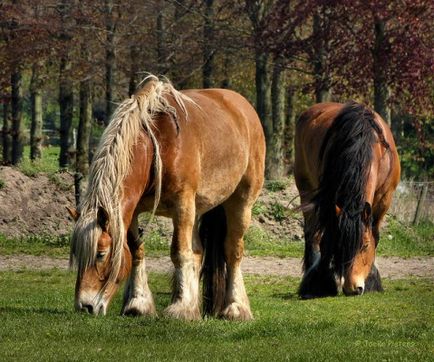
(87, 308)
(359, 290)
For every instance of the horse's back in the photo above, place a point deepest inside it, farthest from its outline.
(220, 143)
(311, 130)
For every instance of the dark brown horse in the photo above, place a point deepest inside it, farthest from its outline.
(346, 170)
(196, 156)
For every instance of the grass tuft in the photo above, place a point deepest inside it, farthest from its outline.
(276, 185)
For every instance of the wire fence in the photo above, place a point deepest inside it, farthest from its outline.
(413, 202)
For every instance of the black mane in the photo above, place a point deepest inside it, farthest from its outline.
(346, 155)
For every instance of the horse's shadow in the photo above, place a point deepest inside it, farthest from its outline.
(26, 310)
(285, 296)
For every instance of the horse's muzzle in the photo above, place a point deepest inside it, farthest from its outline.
(90, 308)
(354, 292)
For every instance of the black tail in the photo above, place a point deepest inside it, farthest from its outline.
(212, 232)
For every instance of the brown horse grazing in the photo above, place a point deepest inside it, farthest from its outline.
(346, 170)
(196, 156)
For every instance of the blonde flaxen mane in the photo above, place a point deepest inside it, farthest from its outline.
(110, 165)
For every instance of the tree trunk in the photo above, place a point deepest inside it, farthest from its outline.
(381, 88)
(263, 92)
(66, 105)
(226, 83)
(322, 76)
(257, 10)
(134, 70)
(275, 159)
(66, 85)
(36, 105)
(208, 45)
(289, 129)
(84, 127)
(161, 40)
(178, 75)
(6, 131)
(17, 116)
(110, 60)
(83, 137)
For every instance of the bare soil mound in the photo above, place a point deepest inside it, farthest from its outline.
(34, 205)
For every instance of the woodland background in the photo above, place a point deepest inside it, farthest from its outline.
(65, 64)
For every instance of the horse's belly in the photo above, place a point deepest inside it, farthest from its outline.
(205, 201)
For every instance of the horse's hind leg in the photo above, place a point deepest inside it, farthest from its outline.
(137, 296)
(238, 215)
(312, 253)
(186, 255)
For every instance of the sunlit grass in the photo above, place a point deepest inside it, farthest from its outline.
(396, 240)
(37, 319)
(48, 163)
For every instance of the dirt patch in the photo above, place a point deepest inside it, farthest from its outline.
(34, 205)
(389, 267)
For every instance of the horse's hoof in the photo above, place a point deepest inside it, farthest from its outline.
(183, 312)
(237, 312)
(139, 307)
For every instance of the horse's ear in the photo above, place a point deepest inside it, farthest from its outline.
(338, 210)
(102, 218)
(73, 212)
(366, 215)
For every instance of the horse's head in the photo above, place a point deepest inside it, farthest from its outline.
(101, 265)
(356, 272)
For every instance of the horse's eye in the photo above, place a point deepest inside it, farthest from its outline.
(100, 255)
(364, 247)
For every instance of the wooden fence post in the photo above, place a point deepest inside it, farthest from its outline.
(420, 204)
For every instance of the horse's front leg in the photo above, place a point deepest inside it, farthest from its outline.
(186, 255)
(138, 298)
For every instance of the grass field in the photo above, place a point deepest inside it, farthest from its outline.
(38, 323)
(37, 320)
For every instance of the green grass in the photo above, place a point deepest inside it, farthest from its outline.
(47, 164)
(37, 321)
(396, 240)
(260, 243)
(36, 245)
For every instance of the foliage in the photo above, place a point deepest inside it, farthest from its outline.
(416, 148)
(36, 31)
(276, 185)
(279, 211)
(38, 320)
(46, 164)
(258, 208)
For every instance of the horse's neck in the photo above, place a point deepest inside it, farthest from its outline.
(139, 179)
